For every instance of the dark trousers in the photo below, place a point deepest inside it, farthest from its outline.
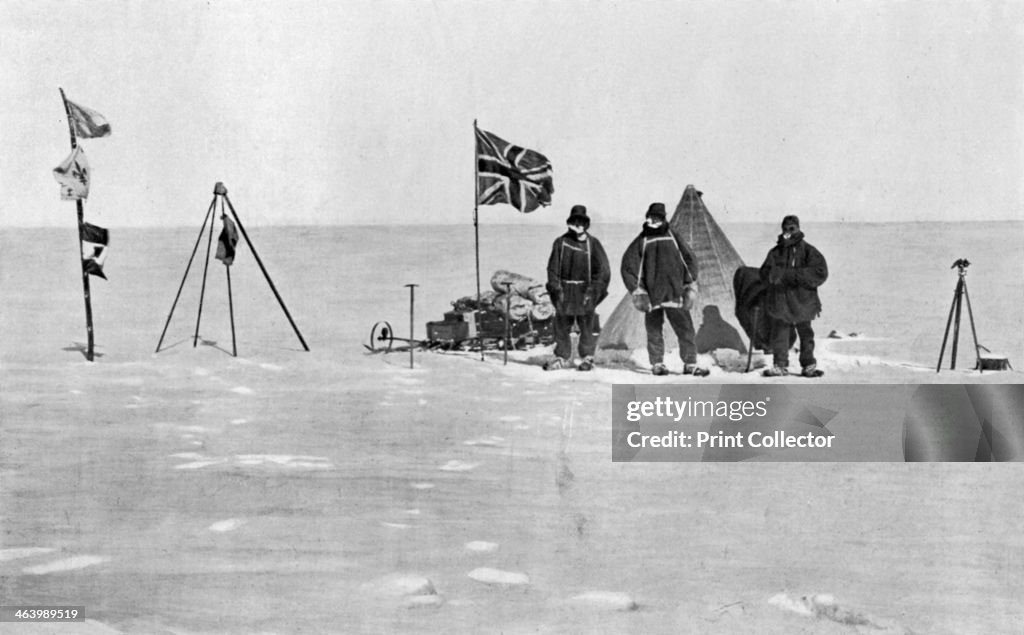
(563, 334)
(782, 336)
(681, 323)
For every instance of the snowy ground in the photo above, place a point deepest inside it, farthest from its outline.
(340, 491)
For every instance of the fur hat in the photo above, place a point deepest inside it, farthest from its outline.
(791, 218)
(657, 210)
(578, 215)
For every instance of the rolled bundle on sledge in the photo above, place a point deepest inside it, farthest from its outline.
(467, 304)
(541, 312)
(521, 311)
(516, 307)
(528, 296)
(522, 286)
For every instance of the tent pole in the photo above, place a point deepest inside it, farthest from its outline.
(184, 277)
(266, 275)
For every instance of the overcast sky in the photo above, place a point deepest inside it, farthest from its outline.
(362, 112)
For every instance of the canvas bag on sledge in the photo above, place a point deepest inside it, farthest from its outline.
(529, 296)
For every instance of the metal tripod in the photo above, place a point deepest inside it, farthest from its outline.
(959, 294)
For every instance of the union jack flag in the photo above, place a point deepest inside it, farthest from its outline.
(511, 174)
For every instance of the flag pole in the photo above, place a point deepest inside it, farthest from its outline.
(195, 248)
(224, 193)
(81, 253)
(476, 236)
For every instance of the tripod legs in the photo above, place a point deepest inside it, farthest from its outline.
(266, 275)
(949, 320)
(202, 290)
(184, 277)
(974, 332)
(220, 191)
(231, 311)
(956, 324)
(955, 311)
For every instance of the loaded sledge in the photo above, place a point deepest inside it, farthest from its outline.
(517, 313)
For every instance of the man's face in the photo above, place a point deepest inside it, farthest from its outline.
(653, 221)
(577, 227)
(790, 228)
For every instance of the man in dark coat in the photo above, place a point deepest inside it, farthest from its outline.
(658, 264)
(793, 271)
(578, 277)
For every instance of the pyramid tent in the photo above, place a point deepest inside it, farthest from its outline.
(714, 314)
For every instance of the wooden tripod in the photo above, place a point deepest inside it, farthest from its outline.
(221, 193)
(959, 294)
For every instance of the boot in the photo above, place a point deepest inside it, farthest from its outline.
(557, 364)
(695, 370)
(812, 371)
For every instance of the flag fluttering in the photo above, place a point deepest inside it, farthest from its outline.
(86, 122)
(227, 241)
(94, 248)
(73, 176)
(510, 174)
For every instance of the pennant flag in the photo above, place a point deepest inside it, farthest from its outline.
(87, 123)
(73, 176)
(510, 174)
(94, 248)
(227, 241)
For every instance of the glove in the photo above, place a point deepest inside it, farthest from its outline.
(555, 293)
(689, 296)
(588, 301)
(641, 301)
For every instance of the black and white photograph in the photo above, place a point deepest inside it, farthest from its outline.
(401, 316)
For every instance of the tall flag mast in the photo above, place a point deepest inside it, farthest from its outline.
(505, 173)
(73, 176)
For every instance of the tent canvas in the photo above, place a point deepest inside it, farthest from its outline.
(713, 313)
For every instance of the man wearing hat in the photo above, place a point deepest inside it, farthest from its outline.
(578, 277)
(793, 270)
(661, 272)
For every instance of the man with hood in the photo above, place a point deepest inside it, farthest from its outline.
(793, 271)
(578, 277)
(660, 270)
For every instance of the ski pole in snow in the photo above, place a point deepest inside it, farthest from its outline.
(508, 309)
(412, 303)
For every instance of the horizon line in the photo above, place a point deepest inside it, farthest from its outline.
(545, 223)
